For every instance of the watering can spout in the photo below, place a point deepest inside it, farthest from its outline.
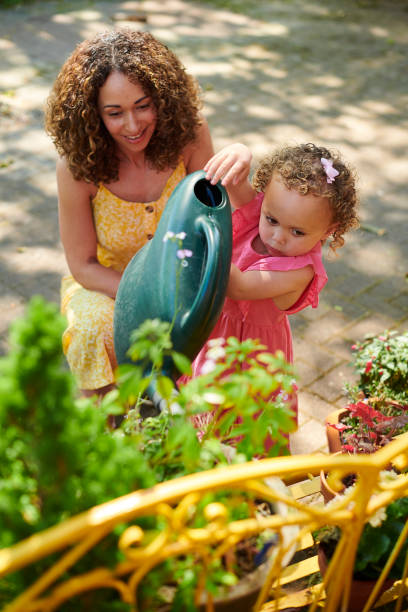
(189, 292)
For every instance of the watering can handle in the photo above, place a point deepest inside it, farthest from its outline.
(211, 273)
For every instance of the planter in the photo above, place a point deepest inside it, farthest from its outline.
(333, 436)
(327, 492)
(360, 590)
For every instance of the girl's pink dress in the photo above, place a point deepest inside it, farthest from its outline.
(262, 319)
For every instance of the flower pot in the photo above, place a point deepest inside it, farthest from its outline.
(333, 436)
(360, 590)
(327, 492)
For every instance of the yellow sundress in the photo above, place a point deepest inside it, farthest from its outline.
(122, 228)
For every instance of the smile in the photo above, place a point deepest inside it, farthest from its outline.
(137, 137)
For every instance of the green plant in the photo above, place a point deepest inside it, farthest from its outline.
(57, 456)
(376, 543)
(378, 410)
(381, 362)
(363, 429)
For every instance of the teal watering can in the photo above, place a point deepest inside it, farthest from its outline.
(156, 284)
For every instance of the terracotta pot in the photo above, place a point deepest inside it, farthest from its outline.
(327, 492)
(360, 590)
(333, 436)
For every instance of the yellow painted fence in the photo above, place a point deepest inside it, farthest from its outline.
(174, 500)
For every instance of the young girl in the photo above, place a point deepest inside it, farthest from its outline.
(301, 196)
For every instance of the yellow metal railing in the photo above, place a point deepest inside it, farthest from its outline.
(173, 501)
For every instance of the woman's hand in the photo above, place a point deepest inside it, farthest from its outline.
(231, 165)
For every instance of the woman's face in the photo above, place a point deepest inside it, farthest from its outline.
(127, 112)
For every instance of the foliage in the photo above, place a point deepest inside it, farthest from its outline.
(378, 410)
(58, 458)
(365, 430)
(376, 543)
(382, 365)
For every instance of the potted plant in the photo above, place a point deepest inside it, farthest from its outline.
(376, 543)
(58, 458)
(379, 399)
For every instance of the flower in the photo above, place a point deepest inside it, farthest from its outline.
(216, 342)
(215, 353)
(208, 366)
(183, 253)
(331, 172)
(168, 236)
(378, 517)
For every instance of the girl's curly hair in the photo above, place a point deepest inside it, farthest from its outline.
(300, 168)
(72, 118)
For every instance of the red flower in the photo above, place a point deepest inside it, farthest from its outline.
(348, 448)
(368, 367)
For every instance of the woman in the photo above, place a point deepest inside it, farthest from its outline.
(125, 118)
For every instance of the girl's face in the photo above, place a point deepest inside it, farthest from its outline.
(127, 112)
(292, 223)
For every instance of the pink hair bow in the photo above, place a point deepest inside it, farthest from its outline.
(331, 172)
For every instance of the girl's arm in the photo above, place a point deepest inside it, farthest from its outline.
(232, 164)
(284, 287)
(197, 153)
(78, 235)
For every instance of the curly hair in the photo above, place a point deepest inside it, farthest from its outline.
(300, 168)
(72, 118)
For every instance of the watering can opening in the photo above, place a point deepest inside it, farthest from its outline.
(208, 194)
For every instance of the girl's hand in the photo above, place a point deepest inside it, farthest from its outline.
(231, 164)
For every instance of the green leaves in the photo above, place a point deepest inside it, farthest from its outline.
(382, 364)
(57, 457)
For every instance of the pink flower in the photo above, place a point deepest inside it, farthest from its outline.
(338, 426)
(183, 253)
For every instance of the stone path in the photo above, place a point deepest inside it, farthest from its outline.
(333, 73)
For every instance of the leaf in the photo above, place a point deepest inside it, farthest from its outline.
(165, 386)
(182, 362)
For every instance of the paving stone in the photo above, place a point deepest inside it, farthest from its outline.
(310, 438)
(331, 385)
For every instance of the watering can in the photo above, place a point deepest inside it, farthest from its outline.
(187, 292)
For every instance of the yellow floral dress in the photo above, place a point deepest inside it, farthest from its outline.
(122, 228)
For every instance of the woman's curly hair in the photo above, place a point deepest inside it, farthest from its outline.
(300, 168)
(72, 118)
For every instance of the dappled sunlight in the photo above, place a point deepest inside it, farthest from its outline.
(276, 72)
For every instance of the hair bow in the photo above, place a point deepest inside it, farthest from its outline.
(331, 172)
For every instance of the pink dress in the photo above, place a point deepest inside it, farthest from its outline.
(262, 319)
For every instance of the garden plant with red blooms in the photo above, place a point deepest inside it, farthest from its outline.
(364, 429)
(378, 410)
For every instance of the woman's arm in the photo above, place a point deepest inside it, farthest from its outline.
(231, 165)
(78, 234)
(284, 287)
